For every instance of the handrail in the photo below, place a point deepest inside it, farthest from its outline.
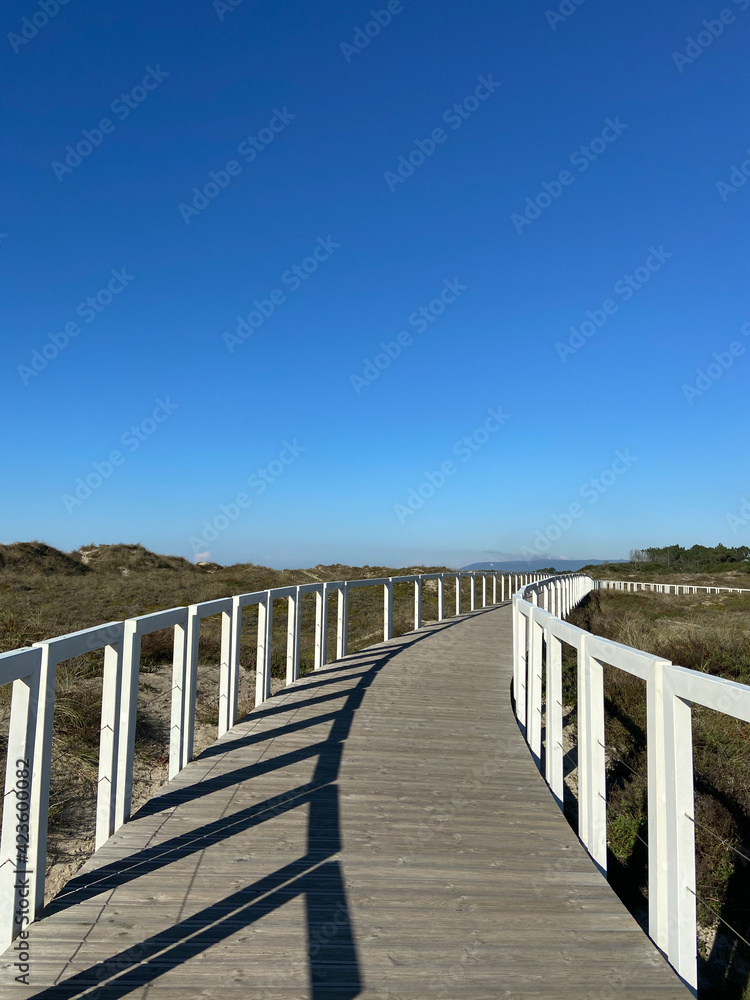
(539, 629)
(666, 588)
(33, 670)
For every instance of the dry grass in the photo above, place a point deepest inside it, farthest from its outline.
(737, 576)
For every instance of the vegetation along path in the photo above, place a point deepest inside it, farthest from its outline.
(377, 829)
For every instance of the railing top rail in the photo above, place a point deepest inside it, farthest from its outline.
(207, 608)
(279, 593)
(254, 597)
(145, 624)
(664, 583)
(87, 640)
(628, 658)
(19, 663)
(558, 627)
(718, 693)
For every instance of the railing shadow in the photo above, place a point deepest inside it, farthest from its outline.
(331, 945)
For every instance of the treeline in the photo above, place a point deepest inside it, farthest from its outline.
(696, 559)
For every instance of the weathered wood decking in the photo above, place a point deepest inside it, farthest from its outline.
(379, 830)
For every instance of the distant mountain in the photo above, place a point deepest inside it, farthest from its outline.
(534, 565)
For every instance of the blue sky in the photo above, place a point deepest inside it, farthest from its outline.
(594, 446)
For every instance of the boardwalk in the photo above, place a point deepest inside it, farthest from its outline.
(377, 829)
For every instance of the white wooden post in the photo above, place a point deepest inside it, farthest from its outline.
(131, 665)
(678, 741)
(39, 800)
(598, 764)
(297, 633)
(519, 664)
(441, 597)
(263, 657)
(231, 624)
(191, 680)
(293, 636)
(502, 587)
(21, 747)
(388, 610)
(494, 588)
(106, 794)
(658, 887)
(418, 603)
(342, 622)
(516, 621)
(321, 627)
(458, 593)
(472, 593)
(534, 688)
(592, 783)
(553, 760)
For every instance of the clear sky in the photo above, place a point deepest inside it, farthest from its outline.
(215, 214)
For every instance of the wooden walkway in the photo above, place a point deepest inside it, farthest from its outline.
(378, 829)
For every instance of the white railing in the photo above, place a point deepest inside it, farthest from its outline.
(32, 671)
(538, 633)
(666, 588)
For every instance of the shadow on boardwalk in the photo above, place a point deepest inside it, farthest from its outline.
(334, 967)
